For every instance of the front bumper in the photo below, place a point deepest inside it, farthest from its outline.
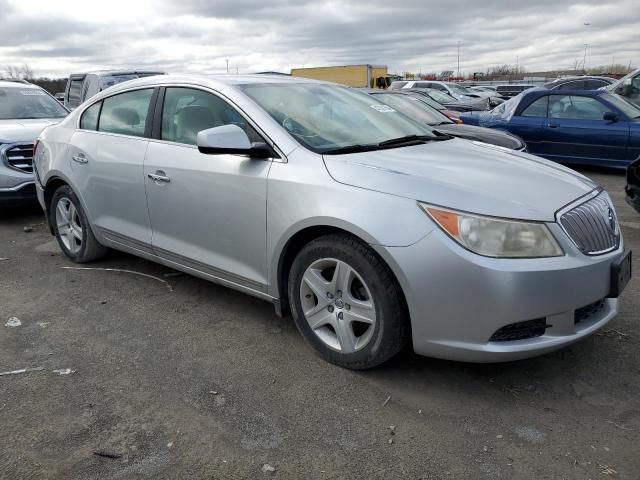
(459, 300)
(20, 195)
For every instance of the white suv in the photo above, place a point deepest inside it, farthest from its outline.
(25, 110)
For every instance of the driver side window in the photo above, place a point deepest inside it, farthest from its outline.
(187, 111)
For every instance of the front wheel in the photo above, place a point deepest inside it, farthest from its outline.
(346, 302)
(71, 227)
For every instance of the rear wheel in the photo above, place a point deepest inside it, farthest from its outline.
(346, 302)
(71, 227)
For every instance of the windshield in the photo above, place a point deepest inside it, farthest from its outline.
(459, 89)
(326, 117)
(441, 97)
(508, 108)
(25, 103)
(428, 100)
(412, 107)
(629, 109)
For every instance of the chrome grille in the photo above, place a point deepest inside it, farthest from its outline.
(20, 157)
(592, 226)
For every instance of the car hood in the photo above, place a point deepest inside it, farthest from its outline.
(466, 176)
(486, 135)
(26, 130)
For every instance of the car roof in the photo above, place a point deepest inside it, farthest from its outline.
(562, 81)
(212, 81)
(106, 72)
(541, 91)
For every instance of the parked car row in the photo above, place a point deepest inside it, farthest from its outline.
(588, 127)
(415, 108)
(372, 227)
(452, 89)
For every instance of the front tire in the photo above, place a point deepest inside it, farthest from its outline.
(346, 302)
(72, 229)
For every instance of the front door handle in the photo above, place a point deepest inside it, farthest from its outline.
(554, 125)
(159, 177)
(80, 158)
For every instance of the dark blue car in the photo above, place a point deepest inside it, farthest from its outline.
(569, 126)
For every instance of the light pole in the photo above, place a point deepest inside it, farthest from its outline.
(459, 42)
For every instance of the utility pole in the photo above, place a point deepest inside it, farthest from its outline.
(517, 64)
(227, 65)
(459, 42)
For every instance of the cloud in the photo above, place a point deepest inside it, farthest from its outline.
(198, 36)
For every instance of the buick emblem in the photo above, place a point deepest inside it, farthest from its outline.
(612, 219)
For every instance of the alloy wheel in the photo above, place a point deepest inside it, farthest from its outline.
(69, 226)
(338, 305)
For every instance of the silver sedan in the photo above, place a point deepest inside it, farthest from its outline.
(373, 230)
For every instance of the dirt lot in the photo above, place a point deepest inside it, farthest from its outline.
(205, 382)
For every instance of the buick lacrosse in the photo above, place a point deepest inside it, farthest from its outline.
(371, 229)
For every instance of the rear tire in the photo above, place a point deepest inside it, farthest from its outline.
(72, 229)
(346, 302)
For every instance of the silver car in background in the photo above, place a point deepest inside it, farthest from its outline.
(25, 109)
(369, 227)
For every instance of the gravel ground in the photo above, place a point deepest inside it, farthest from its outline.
(132, 380)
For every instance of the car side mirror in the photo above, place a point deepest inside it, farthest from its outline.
(230, 140)
(610, 117)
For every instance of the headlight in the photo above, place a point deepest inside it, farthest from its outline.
(495, 237)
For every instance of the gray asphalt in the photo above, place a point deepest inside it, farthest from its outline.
(205, 382)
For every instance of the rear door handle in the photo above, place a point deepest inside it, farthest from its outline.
(554, 125)
(159, 177)
(80, 158)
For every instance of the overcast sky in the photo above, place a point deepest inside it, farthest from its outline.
(198, 36)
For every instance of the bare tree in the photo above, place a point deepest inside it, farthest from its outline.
(14, 72)
(615, 68)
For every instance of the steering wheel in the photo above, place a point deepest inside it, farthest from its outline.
(296, 128)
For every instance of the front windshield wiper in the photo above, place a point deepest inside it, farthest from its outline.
(350, 149)
(407, 140)
(410, 139)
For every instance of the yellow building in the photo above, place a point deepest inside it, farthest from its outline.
(372, 76)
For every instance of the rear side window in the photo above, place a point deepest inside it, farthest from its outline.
(89, 119)
(126, 113)
(575, 107)
(188, 111)
(537, 108)
(75, 93)
(574, 85)
(594, 84)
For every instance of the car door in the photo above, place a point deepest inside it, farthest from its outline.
(106, 154)
(528, 124)
(208, 212)
(575, 131)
